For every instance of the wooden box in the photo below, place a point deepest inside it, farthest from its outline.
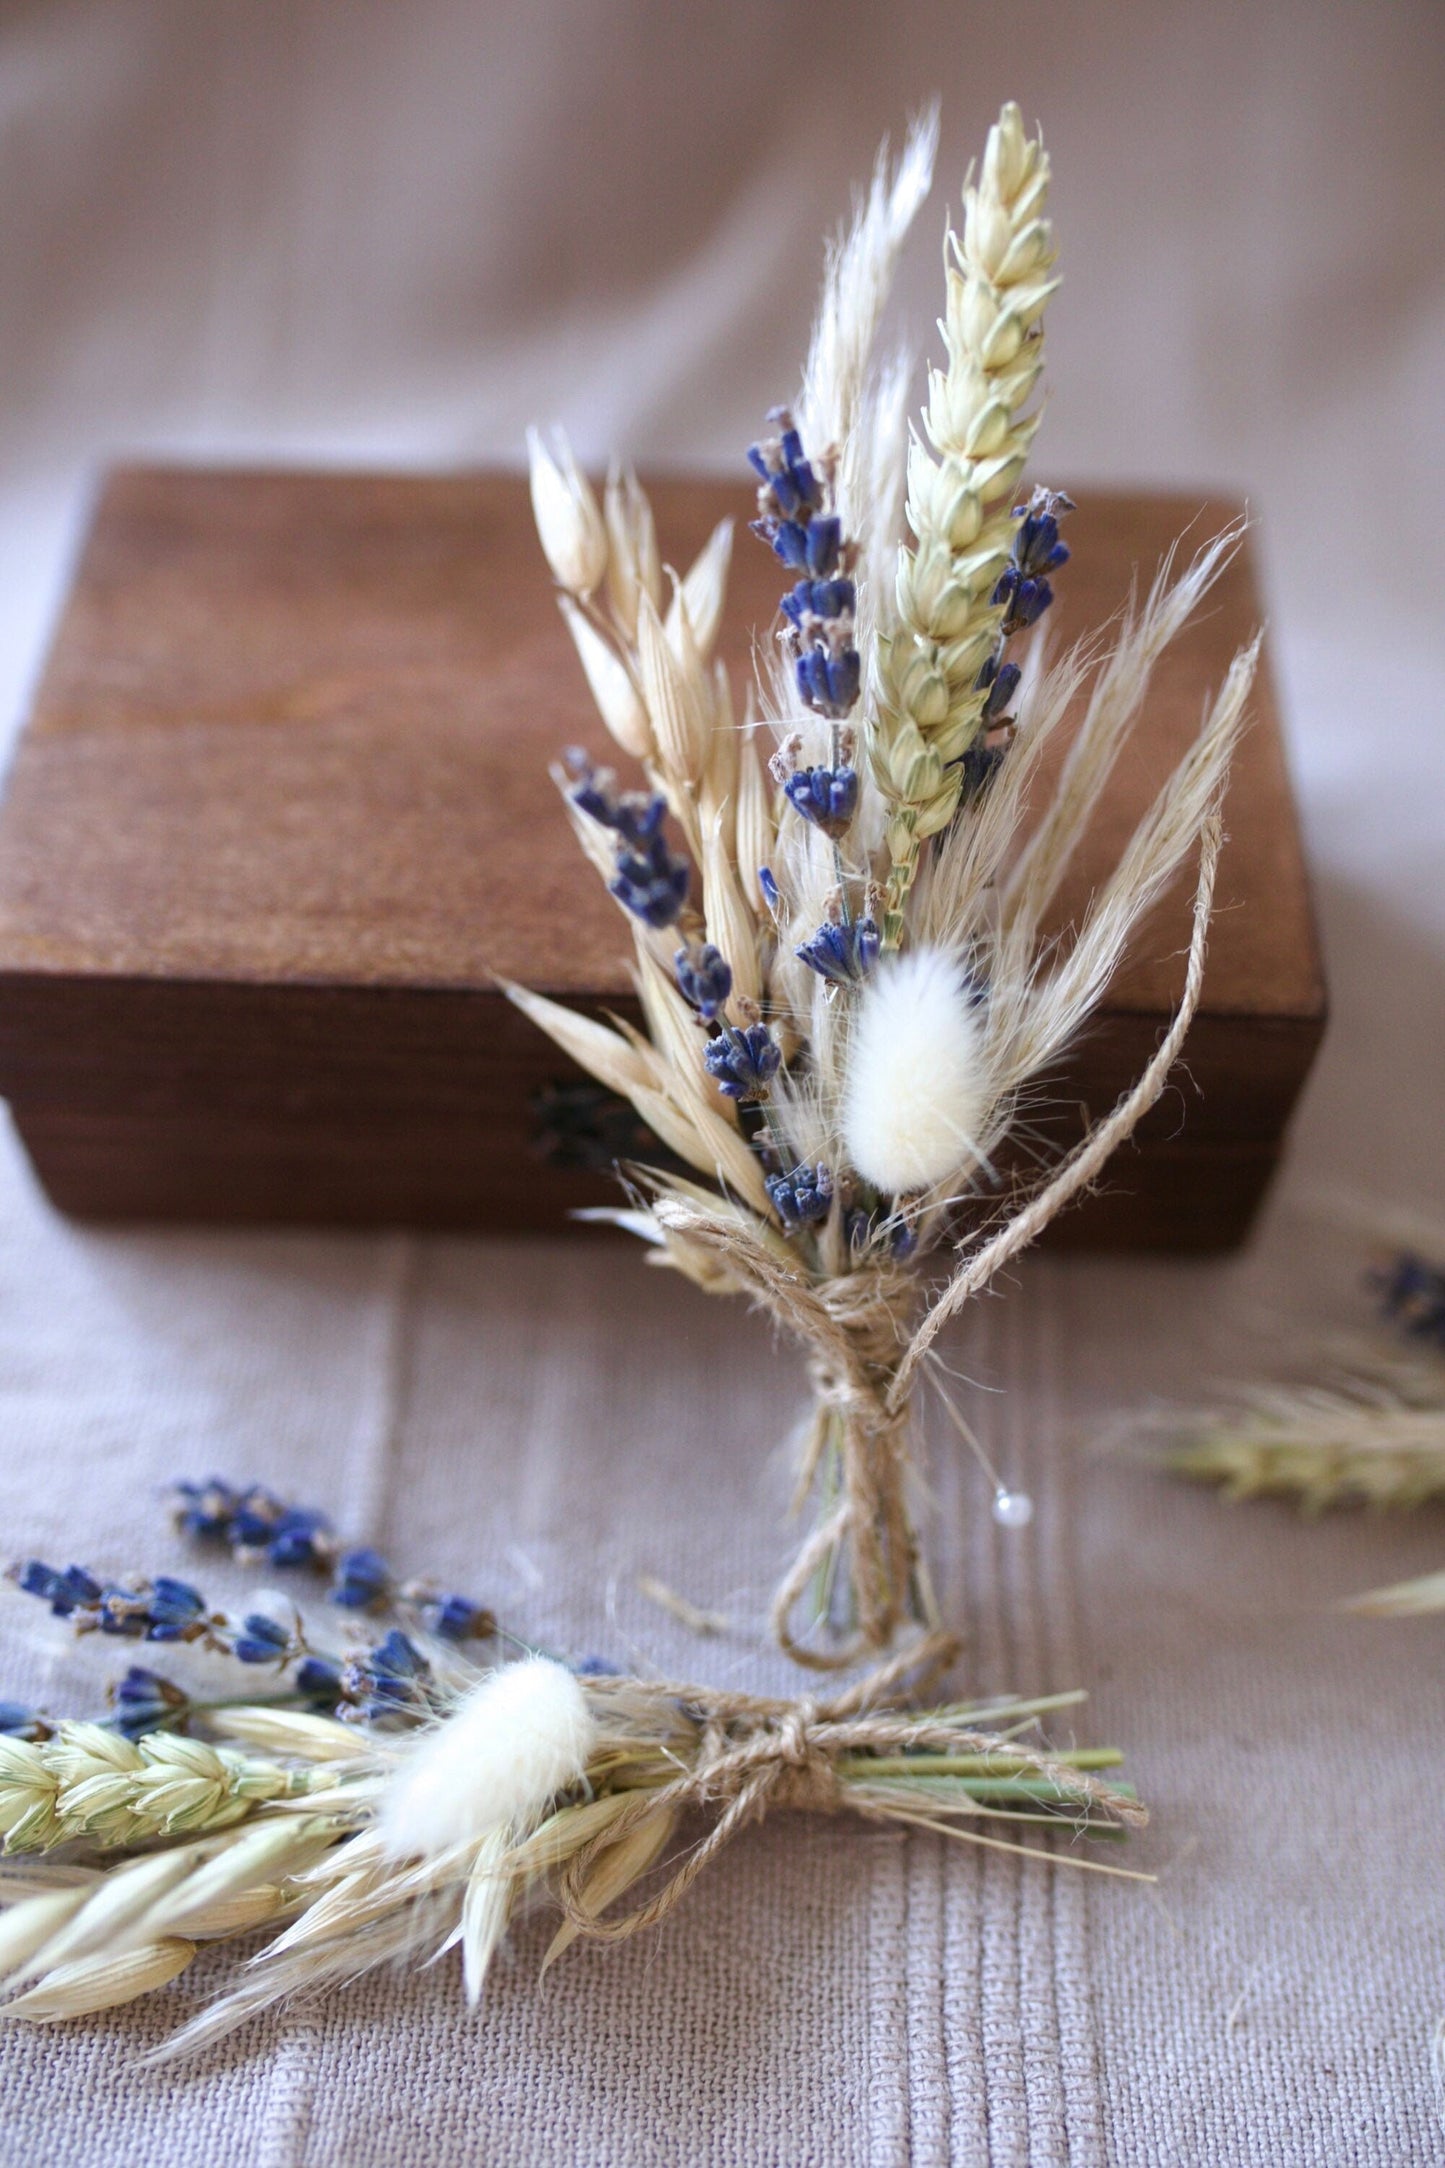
(282, 810)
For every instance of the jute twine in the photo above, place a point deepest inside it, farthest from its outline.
(869, 1525)
(754, 1756)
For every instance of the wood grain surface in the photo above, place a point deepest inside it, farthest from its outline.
(282, 815)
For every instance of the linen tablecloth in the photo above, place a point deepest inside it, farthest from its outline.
(399, 234)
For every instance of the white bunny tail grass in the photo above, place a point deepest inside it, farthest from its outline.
(917, 1096)
(522, 1734)
(540, 1787)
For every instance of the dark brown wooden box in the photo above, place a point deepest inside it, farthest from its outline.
(282, 810)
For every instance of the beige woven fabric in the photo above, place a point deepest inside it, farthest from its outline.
(390, 233)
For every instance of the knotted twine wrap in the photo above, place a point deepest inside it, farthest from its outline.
(751, 1756)
(856, 1328)
(868, 1332)
(869, 1524)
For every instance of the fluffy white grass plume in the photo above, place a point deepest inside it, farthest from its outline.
(518, 1739)
(916, 1098)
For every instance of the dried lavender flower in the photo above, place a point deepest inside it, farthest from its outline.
(743, 1063)
(262, 1640)
(843, 951)
(820, 608)
(804, 1195)
(828, 797)
(363, 1578)
(704, 977)
(143, 1702)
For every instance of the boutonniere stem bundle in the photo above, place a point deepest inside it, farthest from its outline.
(379, 1798)
(838, 880)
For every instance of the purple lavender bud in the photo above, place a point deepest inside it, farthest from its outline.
(319, 1679)
(206, 1509)
(34, 1578)
(789, 484)
(143, 1701)
(396, 1657)
(789, 540)
(979, 765)
(174, 1610)
(743, 1063)
(1023, 600)
(254, 1521)
(772, 894)
(803, 1196)
(1036, 544)
(824, 541)
(828, 797)
(841, 952)
(294, 1540)
(841, 681)
(1000, 679)
(704, 977)
(819, 598)
(363, 1577)
(638, 816)
(652, 884)
(71, 1590)
(261, 1640)
(386, 1681)
(457, 1618)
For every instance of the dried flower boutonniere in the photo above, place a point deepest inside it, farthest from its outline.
(841, 951)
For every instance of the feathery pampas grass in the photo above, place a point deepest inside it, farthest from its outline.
(359, 1847)
(843, 961)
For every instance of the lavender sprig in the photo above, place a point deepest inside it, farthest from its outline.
(648, 880)
(1023, 592)
(392, 1678)
(255, 1525)
(795, 517)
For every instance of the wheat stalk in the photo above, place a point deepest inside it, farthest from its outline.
(930, 705)
(1320, 1447)
(90, 1784)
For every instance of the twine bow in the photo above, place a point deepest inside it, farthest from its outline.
(753, 1756)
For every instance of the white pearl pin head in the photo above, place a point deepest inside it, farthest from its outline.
(1012, 1508)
